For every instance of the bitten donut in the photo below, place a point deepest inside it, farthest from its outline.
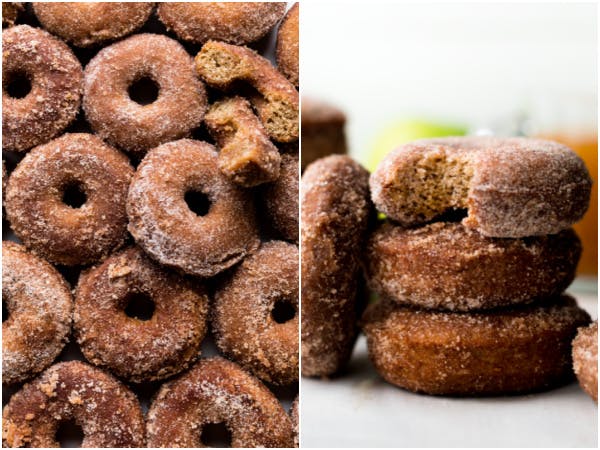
(232, 22)
(88, 23)
(322, 130)
(222, 65)
(66, 199)
(585, 359)
(41, 87)
(217, 391)
(171, 179)
(255, 318)
(40, 308)
(10, 12)
(287, 45)
(335, 210)
(139, 350)
(510, 187)
(136, 127)
(444, 265)
(497, 352)
(280, 199)
(107, 412)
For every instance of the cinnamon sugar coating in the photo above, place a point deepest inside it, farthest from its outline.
(246, 154)
(585, 359)
(51, 228)
(335, 210)
(243, 317)
(109, 414)
(448, 266)
(288, 51)
(131, 348)
(169, 231)
(296, 421)
(40, 308)
(280, 198)
(510, 187)
(88, 23)
(56, 78)
(213, 391)
(134, 127)
(322, 130)
(221, 65)
(232, 22)
(516, 350)
(10, 12)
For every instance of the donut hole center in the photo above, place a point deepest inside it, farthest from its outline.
(216, 435)
(139, 306)
(197, 202)
(143, 91)
(283, 311)
(74, 195)
(69, 434)
(18, 85)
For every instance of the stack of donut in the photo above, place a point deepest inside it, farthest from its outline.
(161, 235)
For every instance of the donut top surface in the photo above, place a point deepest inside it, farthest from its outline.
(316, 112)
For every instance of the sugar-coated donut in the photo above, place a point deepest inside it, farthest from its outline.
(139, 350)
(217, 391)
(163, 224)
(108, 413)
(55, 78)
(296, 421)
(244, 316)
(446, 265)
(322, 130)
(335, 211)
(87, 23)
(497, 352)
(280, 198)
(510, 187)
(179, 106)
(288, 50)
(51, 228)
(40, 308)
(585, 359)
(232, 22)
(10, 12)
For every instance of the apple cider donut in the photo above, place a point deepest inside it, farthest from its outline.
(246, 155)
(88, 23)
(40, 307)
(255, 318)
(205, 240)
(217, 391)
(41, 87)
(222, 65)
(496, 352)
(296, 421)
(144, 58)
(232, 22)
(287, 45)
(510, 187)
(585, 359)
(322, 130)
(108, 413)
(10, 12)
(445, 265)
(66, 199)
(134, 349)
(335, 211)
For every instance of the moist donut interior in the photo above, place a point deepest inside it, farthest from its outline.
(139, 306)
(18, 84)
(69, 434)
(283, 311)
(216, 435)
(198, 202)
(143, 90)
(74, 195)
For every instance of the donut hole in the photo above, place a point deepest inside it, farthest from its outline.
(74, 195)
(18, 85)
(197, 202)
(143, 91)
(139, 306)
(69, 434)
(216, 435)
(283, 311)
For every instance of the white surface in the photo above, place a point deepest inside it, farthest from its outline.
(359, 409)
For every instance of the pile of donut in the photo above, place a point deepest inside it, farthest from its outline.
(469, 257)
(117, 189)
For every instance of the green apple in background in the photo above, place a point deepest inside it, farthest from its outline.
(407, 130)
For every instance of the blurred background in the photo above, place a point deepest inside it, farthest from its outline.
(406, 71)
